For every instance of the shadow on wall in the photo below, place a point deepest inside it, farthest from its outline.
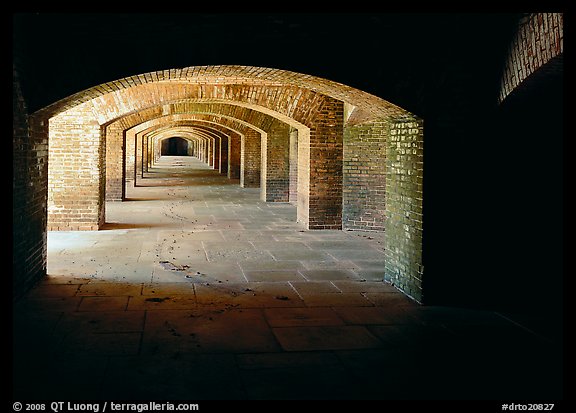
(496, 228)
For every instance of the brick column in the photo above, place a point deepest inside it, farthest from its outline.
(210, 151)
(224, 154)
(115, 160)
(76, 171)
(364, 197)
(293, 195)
(29, 190)
(250, 159)
(130, 157)
(275, 175)
(142, 158)
(234, 156)
(320, 169)
(403, 225)
(217, 143)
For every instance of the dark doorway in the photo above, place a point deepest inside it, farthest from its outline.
(174, 147)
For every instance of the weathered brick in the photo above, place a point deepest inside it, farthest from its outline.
(76, 140)
(537, 41)
(403, 220)
(275, 177)
(250, 159)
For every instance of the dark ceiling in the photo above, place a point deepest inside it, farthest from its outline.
(405, 58)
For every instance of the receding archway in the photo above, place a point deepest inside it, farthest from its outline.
(174, 146)
(359, 158)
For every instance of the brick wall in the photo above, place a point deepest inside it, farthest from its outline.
(29, 195)
(325, 162)
(275, 175)
(403, 224)
(250, 159)
(364, 180)
(76, 173)
(540, 38)
(114, 136)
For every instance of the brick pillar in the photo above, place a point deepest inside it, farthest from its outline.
(202, 149)
(293, 195)
(364, 197)
(155, 146)
(250, 159)
(224, 154)
(234, 142)
(29, 190)
(320, 169)
(141, 157)
(130, 157)
(76, 171)
(403, 225)
(217, 143)
(210, 151)
(115, 160)
(275, 176)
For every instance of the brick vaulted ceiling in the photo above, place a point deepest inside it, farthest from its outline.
(287, 94)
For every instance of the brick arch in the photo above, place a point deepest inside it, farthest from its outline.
(290, 93)
(537, 49)
(201, 135)
(191, 136)
(115, 132)
(380, 138)
(230, 110)
(250, 125)
(137, 144)
(179, 136)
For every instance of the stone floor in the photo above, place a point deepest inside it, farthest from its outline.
(197, 290)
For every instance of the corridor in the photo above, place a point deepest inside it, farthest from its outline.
(196, 289)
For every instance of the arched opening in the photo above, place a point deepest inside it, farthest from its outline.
(345, 159)
(174, 146)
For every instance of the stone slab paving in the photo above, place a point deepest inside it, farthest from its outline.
(195, 289)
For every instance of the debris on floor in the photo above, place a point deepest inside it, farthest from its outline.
(167, 265)
(157, 299)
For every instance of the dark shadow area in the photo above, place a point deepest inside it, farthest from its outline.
(494, 229)
(109, 226)
(142, 199)
(176, 182)
(213, 342)
(174, 147)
